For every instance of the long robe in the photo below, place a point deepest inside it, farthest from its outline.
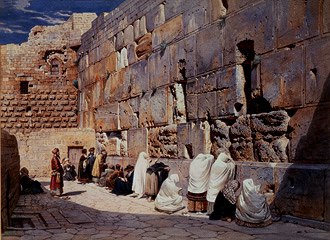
(124, 187)
(56, 188)
(98, 166)
(69, 172)
(140, 172)
(83, 171)
(252, 209)
(168, 199)
(222, 171)
(156, 174)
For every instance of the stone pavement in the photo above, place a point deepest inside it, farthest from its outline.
(91, 212)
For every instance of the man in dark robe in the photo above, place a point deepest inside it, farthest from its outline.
(123, 186)
(83, 169)
(91, 159)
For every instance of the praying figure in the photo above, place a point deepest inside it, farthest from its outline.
(140, 173)
(199, 174)
(222, 171)
(168, 199)
(252, 209)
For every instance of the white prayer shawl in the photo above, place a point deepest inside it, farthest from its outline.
(251, 204)
(199, 173)
(140, 171)
(222, 171)
(168, 198)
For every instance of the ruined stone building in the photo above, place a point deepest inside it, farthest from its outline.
(180, 77)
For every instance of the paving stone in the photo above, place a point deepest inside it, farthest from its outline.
(174, 232)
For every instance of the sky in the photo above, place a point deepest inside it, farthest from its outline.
(17, 17)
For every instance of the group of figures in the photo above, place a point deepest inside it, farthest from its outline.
(212, 186)
(213, 189)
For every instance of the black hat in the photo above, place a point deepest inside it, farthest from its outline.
(129, 167)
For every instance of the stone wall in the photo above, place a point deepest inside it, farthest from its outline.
(10, 166)
(178, 78)
(37, 77)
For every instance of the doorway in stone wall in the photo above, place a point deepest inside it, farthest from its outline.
(74, 154)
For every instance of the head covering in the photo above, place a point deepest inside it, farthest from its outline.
(168, 198)
(140, 172)
(55, 151)
(129, 167)
(92, 149)
(199, 172)
(24, 171)
(118, 166)
(251, 204)
(229, 191)
(222, 171)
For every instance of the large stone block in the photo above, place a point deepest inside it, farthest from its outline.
(317, 71)
(201, 138)
(207, 83)
(217, 9)
(128, 35)
(282, 76)
(207, 105)
(166, 33)
(111, 63)
(326, 16)
(113, 146)
(196, 17)
(144, 47)
(176, 7)
(156, 108)
(300, 190)
(209, 52)
(139, 78)
(182, 57)
(220, 138)
(192, 106)
(184, 140)
(297, 22)
(155, 17)
(252, 23)
(119, 85)
(127, 118)
(159, 69)
(107, 117)
(137, 141)
(162, 141)
(310, 135)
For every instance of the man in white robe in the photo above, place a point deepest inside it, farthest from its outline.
(168, 199)
(252, 209)
(140, 172)
(222, 171)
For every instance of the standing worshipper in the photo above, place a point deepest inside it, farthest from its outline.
(99, 165)
(199, 174)
(83, 169)
(56, 180)
(252, 209)
(225, 203)
(156, 174)
(140, 172)
(222, 171)
(91, 159)
(168, 199)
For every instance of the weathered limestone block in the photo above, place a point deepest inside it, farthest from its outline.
(123, 60)
(131, 53)
(182, 57)
(136, 28)
(207, 83)
(107, 117)
(207, 40)
(119, 44)
(155, 17)
(299, 192)
(282, 83)
(137, 141)
(107, 47)
(111, 62)
(143, 26)
(242, 151)
(128, 35)
(326, 16)
(310, 136)
(167, 32)
(207, 105)
(119, 85)
(274, 123)
(159, 69)
(112, 146)
(297, 21)
(201, 138)
(280, 147)
(139, 78)
(264, 152)
(144, 47)
(217, 9)
(156, 108)
(196, 17)
(241, 128)
(317, 71)
(192, 106)
(127, 118)
(179, 104)
(162, 141)
(219, 138)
